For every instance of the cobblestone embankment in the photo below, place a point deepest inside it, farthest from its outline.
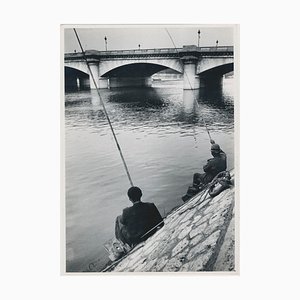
(198, 236)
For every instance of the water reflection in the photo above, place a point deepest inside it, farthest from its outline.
(144, 97)
(216, 98)
(189, 99)
(151, 107)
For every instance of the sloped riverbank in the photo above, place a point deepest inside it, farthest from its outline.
(198, 236)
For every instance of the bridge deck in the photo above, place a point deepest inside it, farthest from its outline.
(163, 52)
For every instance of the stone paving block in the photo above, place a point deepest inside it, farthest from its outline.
(197, 217)
(203, 204)
(171, 231)
(176, 262)
(164, 246)
(135, 256)
(193, 251)
(219, 215)
(169, 219)
(221, 196)
(216, 199)
(141, 267)
(185, 267)
(160, 234)
(188, 216)
(178, 219)
(197, 212)
(197, 230)
(198, 264)
(180, 246)
(213, 226)
(161, 262)
(122, 265)
(170, 224)
(212, 208)
(185, 231)
(150, 247)
(137, 249)
(196, 239)
(226, 202)
(222, 211)
(208, 243)
(212, 239)
(179, 228)
(141, 261)
(149, 265)
(202, 220)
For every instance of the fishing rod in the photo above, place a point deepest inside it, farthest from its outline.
(104, 109)
(195, 100)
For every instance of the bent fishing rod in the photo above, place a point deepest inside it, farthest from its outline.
(195, 100)
(104, 109)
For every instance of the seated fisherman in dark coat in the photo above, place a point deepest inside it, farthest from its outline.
(213, 167)
(135, 223)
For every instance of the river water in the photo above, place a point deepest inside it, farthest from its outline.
(164, 141)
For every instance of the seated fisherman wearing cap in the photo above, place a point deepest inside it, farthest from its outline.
(213, 167)
(139, 221)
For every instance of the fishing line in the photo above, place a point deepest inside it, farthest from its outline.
(104, 109)
(195, 100)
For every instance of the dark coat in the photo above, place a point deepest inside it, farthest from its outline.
(139, 219)
(214, 166)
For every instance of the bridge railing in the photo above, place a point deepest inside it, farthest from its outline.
(216, 49)
(137, 51)
(150, 51)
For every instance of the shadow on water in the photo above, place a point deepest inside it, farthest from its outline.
(140, 97)
(129, 106)
(188, 112)
(216, 107)
(215, 98)
(153, 107)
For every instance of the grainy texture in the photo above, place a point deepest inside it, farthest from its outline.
(198, 236)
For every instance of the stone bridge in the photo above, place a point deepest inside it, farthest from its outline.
(120, 68)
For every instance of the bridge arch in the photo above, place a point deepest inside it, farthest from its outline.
(78, 65)
(76, 79)
(209, 63)
(140, 67)
(218, 70)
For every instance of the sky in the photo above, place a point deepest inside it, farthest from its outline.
(129, 37)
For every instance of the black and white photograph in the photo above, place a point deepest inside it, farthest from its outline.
(149, 157)
(149, 150)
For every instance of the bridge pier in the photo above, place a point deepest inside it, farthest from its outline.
(189, 100)
(103, 83)
(191, 81)
(190, 56)
(94, 66)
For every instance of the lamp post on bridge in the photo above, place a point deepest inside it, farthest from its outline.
(139, 46)
(105, 39)
(199, 37)
(217, 42)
